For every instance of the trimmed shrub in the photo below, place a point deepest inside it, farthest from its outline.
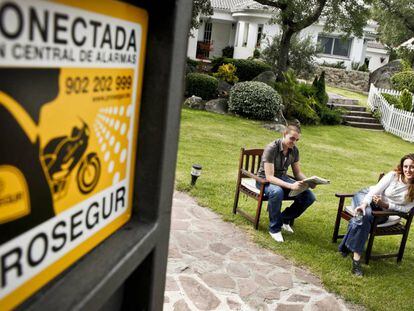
(403, 80)
(321, 95)
(191, 65)
(330, 116)
(201, 85)
(255, 100)
(406, 100)
(226, 73)
(247, 69)
(392, 100)
(216, 62)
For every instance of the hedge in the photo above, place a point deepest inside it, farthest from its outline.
(403, 80)
(247, 69)
(256, 100)
(201, 85)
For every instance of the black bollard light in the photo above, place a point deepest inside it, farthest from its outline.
(195, 173)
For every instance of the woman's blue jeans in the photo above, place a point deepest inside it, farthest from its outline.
(275, 195)
(357, 233)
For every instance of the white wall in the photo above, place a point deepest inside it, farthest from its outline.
(192, 45)
(220, 36)
(374, 56)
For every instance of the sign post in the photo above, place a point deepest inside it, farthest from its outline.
(71, 87)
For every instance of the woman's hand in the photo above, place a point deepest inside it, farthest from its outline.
(361, 209)
(377, 199)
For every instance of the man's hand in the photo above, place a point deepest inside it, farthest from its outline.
(312, 185)
(297, 185)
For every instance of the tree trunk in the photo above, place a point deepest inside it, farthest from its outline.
(282, 62)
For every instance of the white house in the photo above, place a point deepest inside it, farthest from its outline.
(242, 24)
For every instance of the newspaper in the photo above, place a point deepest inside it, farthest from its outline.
(307, 182)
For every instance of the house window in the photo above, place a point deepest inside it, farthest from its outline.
(245, 34)
(207, 32)
(334, 46)
(259, 35)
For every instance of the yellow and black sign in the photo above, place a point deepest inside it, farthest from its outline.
(70, 87)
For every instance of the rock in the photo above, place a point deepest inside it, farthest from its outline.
(382, 76)
(218, 280)
(220, 248)
(223, 88)
(286, 307)
(200, 296)
(267, 77)
(181, 305)
(195, 102)
(349, 79)
(218, 105)
(233, 305)
(275, 127)
(329, 303)
(299, 298)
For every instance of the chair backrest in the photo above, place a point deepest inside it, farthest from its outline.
(250, 159)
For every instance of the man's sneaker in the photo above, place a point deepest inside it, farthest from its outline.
(278, 237)
(287, 228)
(356, 268)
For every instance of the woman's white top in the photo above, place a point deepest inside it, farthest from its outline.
(393, 191)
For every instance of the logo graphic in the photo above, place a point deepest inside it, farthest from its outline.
(62, 154)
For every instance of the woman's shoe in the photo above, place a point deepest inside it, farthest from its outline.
(356, 268)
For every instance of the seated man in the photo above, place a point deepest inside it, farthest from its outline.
(276, 159)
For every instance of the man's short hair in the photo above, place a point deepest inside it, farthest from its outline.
(292, 127)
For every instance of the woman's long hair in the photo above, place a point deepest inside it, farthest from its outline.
(410, 192)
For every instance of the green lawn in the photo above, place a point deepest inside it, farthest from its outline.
(351, 158)
(349, 94)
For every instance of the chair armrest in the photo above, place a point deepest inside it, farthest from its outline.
(344, 195)
(251, 175)
(390, 213)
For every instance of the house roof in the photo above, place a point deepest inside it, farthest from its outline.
(375, 45)
(408, 44)
(227, 4)
(250, 4)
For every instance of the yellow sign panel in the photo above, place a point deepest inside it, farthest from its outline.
(70, 87)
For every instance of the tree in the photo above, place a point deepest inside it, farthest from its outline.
(300, 58)
(347, 16)
(396, 20)
(200, 7)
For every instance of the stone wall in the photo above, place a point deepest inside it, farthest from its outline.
(349, 79)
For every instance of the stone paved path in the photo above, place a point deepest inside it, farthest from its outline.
(213, 265)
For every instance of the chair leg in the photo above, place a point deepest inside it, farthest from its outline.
(258, 211)
(236, 198)
(369, 247)
(402, 246)
(338, 220)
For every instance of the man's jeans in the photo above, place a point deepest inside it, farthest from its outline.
(275, 196)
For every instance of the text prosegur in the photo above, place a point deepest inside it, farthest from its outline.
(43, 244)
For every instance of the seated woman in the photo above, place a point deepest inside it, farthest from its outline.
(395, 191)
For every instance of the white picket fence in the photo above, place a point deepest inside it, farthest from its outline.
(396, 121)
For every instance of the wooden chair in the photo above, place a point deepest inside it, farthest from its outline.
(246, 183)
(394, 226)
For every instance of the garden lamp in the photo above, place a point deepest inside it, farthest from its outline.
(195, 173)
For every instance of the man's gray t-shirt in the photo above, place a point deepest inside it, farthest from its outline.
(273, 153)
